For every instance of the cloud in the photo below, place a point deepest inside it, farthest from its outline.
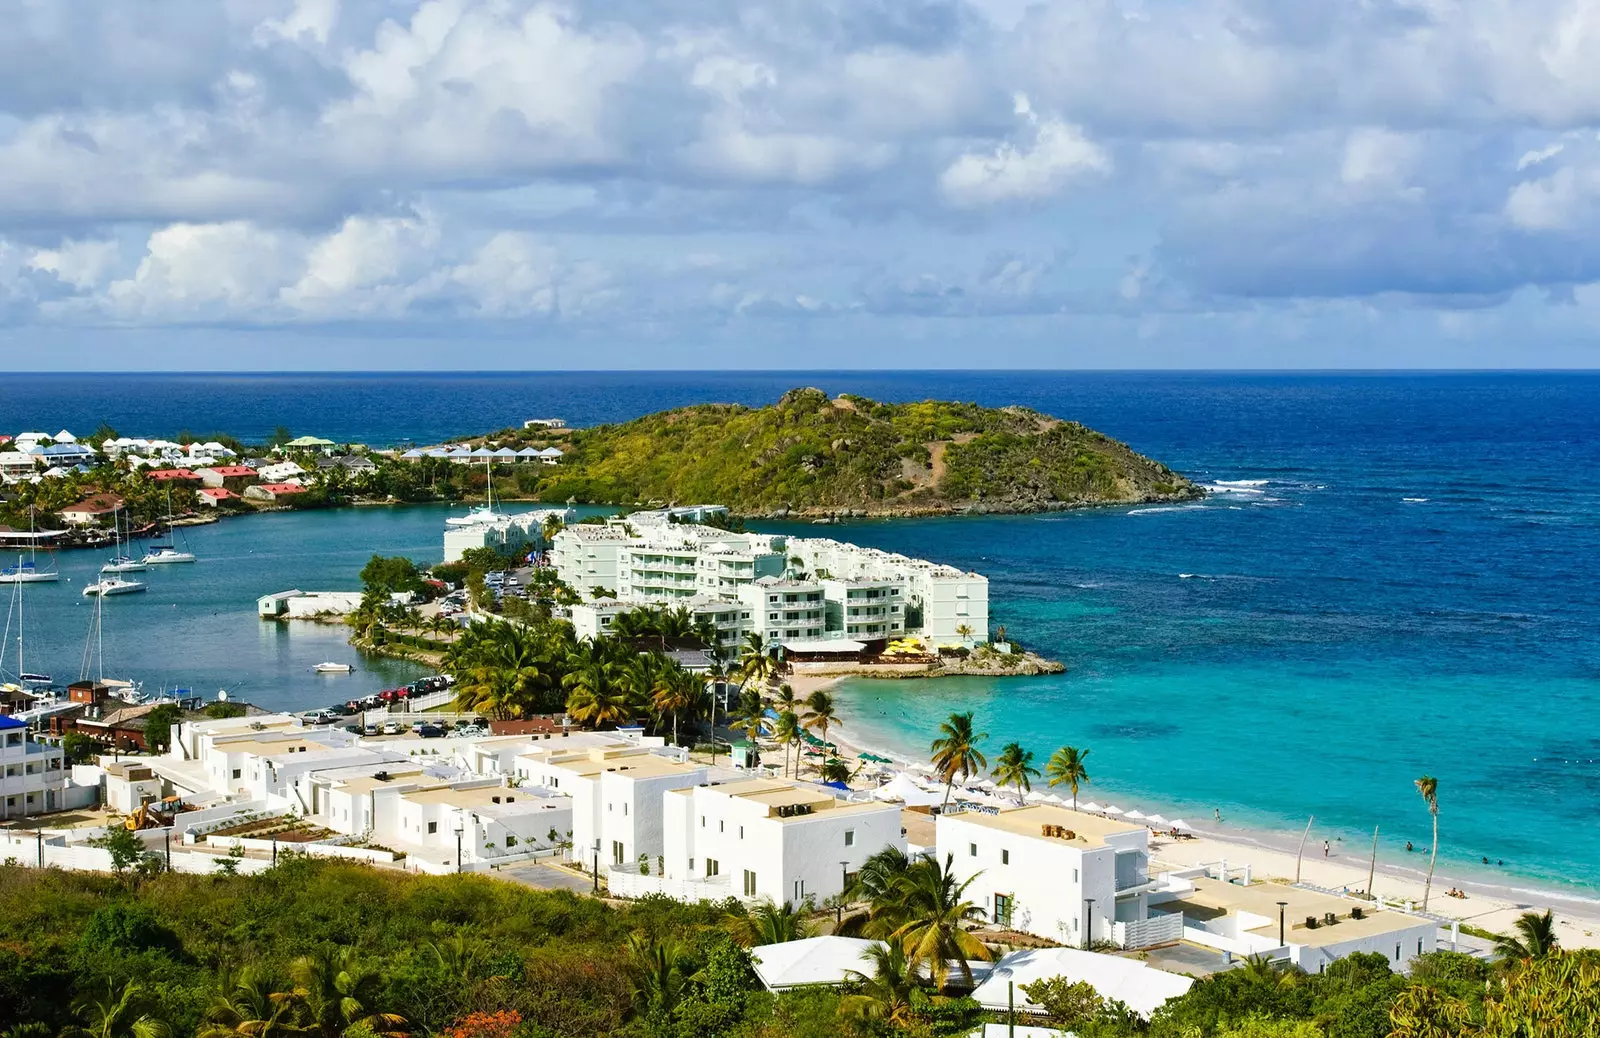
(635, 169)
(1057, 154)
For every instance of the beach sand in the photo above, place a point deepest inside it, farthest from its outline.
(1271, 855)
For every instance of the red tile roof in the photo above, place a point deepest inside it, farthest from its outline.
(96, 504)
(283, 488)
(232, 470)
(166, 474)
(217, 493)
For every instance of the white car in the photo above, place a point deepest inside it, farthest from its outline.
(391, 728)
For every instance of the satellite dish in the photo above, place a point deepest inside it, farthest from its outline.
(222, 695)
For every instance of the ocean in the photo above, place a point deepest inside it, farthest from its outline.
(1392, 577)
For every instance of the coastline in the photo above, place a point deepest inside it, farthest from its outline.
(1271, 855)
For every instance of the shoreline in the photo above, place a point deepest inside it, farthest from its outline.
(1271, 855)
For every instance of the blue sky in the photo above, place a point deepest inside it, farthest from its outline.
(351, 184)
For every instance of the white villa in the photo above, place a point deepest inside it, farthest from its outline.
(34, 777)
(799, 590)
(1062, 874)
(765, 838)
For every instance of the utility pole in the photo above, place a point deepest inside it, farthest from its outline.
(1301, 852)
(1372, 869)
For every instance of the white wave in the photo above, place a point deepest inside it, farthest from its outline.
(1166, 508)
(1242, 482)
(1222, 488)
(1414, 500)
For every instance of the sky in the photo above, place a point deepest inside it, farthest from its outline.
(480, 184)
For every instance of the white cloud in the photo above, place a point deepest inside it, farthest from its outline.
(313, 19)
(81, 264)
(1057, 154)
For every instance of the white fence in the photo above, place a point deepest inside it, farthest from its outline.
(315, 850)
(26, 849)
(625, 881)
(1164, 928)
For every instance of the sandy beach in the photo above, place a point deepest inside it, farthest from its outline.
(1271, 855)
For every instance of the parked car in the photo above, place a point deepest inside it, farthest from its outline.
(391, 728)
(371, 729)
(354, 729)
(430, 731)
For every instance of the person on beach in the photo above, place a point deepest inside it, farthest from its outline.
(1218, 812)
(1325, 848)
(1409, 848)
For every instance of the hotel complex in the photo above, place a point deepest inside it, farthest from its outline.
(793, 591)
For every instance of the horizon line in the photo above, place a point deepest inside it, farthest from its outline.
(401, 372)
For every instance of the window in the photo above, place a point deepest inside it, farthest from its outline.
(972, 850)
(433, 827)
(511, 841)
(741, 832)
(1005, 857)
(235, 772)
(624, 810)
(1074, 875)
(1419, 946)
(1397, 953)
(616, 852)
(1002, 909)
(713, 867)
(722, 826)
(849, 837)
(749, 883)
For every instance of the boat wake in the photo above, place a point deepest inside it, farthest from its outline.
(1158, 510)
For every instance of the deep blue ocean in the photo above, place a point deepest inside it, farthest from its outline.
(1396, 575)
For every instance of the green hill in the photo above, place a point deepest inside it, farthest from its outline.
(812, 455)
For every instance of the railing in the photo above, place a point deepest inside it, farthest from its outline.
(1163, 928)
(626, 881)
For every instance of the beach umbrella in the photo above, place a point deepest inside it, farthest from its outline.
(1034, 796)
(1090, 806)
(1157, 820)
(1112, 809)
(983, 783)
(1178, 823)
(1051, 798)
(1135, 814)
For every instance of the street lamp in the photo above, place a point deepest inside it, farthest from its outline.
(1088, 924)
(597, 864)
(460, 827)
(167, 837)
(274, 848)
(844, 884)
(1282, 905)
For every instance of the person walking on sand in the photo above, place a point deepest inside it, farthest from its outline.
(1218, 812)
(1325, 848)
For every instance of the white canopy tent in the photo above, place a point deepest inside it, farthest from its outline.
(815, 960)
(901, 788)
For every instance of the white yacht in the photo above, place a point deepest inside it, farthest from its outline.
(333, 668)
(121, 562)
(483, 514)
(94, 659)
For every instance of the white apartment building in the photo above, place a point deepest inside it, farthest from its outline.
(764, 838)
(731, 619)
(616, 797)
(585, 555)
(280, 472)
(33, 777)
(783, 610)
(943, 601)
(506, 533)
(1061, 874)
(864, 609)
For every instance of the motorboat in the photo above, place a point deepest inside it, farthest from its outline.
(333, 668)
(166, 556)
(107, 586)
(482, 515)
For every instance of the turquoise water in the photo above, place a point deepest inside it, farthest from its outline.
(1333, 641)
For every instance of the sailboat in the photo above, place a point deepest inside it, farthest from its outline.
(483, 513)
(27, 571)
(122, 562)
(30, 683)
(115, 585)
(94, 655)
(166, 554)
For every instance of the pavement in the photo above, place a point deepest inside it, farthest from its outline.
(1190, 958)
(540, 876)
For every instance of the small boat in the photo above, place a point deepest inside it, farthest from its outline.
(124, 564)
(107, 586)
(167, 555)
(333, 668)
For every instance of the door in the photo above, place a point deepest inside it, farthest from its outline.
(1002, 909)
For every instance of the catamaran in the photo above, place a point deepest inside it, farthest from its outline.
(167, 554)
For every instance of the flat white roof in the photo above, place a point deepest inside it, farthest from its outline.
(1141, 987)
(816, 960)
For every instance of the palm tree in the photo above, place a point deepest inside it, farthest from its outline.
(755, 664)
(885, 993)
(955, 751)
(1066, 769)
(674, 693)
(748, 713)
(337, 993)
(786, 730)
(250, 1004)
(786, 699)
(836, 769)
(964, 631)
(1014, 767)
(118, 1013)
(1428, 788)
(820, 713)
(769, 923)
(1535, 937)
(595, 697)
(935, 909)
(660, 970)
